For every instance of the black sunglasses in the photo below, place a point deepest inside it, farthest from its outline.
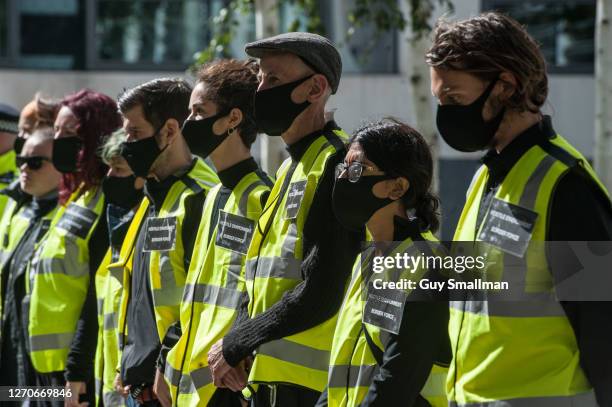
(34, 162)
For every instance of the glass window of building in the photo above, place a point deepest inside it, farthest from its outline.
(4, 30)
(151, 34)
(365, 51)
(564, 28)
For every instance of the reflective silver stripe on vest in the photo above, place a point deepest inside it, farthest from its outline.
(515, 302)
(110, 321)
(244, 199)
(352, 376)
(113, 399)
(579, 400)
(274, 267)
(201, 377)
(68, 264)
(234, 270)
(177, 379)
(292, 352)
(50, 341)
(168, 296)
(100, 304)
(213, 295)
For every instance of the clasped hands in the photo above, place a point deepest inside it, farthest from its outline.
(224, 375)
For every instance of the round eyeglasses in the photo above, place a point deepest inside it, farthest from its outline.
(352, 171)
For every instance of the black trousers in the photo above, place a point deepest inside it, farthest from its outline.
(225, 398)
(284, 395)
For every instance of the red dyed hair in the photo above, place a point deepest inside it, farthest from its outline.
(98, 116)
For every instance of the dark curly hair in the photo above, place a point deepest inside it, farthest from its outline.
(401, 151)
(232, 84)
(98, 117)
(487, 45)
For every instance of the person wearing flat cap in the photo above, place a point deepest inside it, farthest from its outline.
(9, 118)
(300, 257)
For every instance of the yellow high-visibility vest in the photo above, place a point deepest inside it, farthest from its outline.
(273, 267)
(166, 267)
(353, 365)
(215, 285)
(13, 227)
(8, 173)
(108, 294)
(518, 353)
(58, 279)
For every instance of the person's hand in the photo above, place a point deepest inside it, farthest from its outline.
(217, 364)
(75, 389)
(119, 387)
(161, 390)
(236, 378)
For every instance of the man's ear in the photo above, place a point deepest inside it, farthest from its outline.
(318, 89)
(171, 129)
(509, 85)
(398, 187)
(234, 118)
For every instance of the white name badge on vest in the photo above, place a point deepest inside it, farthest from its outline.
(294, 199)
(385, 309)
(161, 234)
(77, 220)
(234, 232)
(508, 227)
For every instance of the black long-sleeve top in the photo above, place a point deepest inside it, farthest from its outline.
(579, 211)
(80, 362)
(329, 251)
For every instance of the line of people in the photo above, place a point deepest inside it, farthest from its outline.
(146, 259)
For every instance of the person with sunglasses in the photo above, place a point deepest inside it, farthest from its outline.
(62, 325)
(37, 114)
(384, 184)
(22, 226)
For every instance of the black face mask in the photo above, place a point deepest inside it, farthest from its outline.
(274, 109)
(66, 153)
(120, 191)
(141, 154)
(18, 146)
(463, 128)
(200, 137)
(354, 203)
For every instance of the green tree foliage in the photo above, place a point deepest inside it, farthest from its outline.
(384, 15)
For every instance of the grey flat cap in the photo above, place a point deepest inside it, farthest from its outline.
(316, 51)
(9, 117)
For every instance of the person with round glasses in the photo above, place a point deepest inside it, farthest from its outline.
(23, 223)
(384, 184)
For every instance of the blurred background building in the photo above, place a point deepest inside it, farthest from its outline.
(59, 46)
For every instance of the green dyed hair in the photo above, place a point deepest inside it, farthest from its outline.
(111, 148)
